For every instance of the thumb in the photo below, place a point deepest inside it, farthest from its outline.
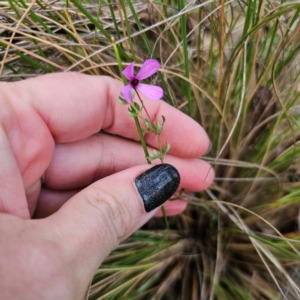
(92, 223)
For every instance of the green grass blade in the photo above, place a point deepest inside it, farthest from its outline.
(183, 23)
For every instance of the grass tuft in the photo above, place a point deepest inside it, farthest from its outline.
(234, 67)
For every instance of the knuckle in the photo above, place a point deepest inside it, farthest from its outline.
(112, 213)
(108, 162)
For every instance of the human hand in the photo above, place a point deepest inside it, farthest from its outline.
(88, 203)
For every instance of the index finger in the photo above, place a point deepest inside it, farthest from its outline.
(75, 106)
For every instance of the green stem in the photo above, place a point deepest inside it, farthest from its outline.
(183, 23)
(136, 120)
(143, 142)
(160, 148)
(165, 218)
(128, 29)
(137, 123)
(98, 16)
(138, 126)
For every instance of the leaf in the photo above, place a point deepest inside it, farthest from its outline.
(147, 131)
(136, 107)
(132, 113)
(156, 154)
(168, 147)
(159, 126)
(122, 101)
(149, 124)
(151, 158)
(165, 151)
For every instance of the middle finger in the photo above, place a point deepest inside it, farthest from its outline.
(78, 164)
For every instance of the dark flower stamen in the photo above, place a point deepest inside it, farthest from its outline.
(152, 92)
(134, 82)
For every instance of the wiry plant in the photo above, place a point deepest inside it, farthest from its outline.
(234, 67)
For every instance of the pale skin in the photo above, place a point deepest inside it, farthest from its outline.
(54, 237)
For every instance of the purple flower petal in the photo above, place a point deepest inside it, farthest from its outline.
(152, 92)
(128, 72)
(149, 67)
(126, 91)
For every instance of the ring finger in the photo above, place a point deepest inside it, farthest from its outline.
(78, 164)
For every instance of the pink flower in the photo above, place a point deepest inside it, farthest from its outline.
(152, 92)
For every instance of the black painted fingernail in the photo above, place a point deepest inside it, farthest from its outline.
(157, 185)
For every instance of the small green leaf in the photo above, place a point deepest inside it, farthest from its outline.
(149, 124)
(168, 147)
(151, 158)
(156, 154)
(132, 113)
(165, 151)
(147, 131)
(136, 107)
(159, 126)
(122, 101)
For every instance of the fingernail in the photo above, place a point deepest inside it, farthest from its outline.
(209, 148)
(157, 185)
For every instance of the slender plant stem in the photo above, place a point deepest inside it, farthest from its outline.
(136, 91)
(127, 29)
(98, 16)
(147, 154)
(136, 120)
(144, 145)
(160, 148)
(222, 20)
(165, 218)
(187, 86)
(138, 125)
